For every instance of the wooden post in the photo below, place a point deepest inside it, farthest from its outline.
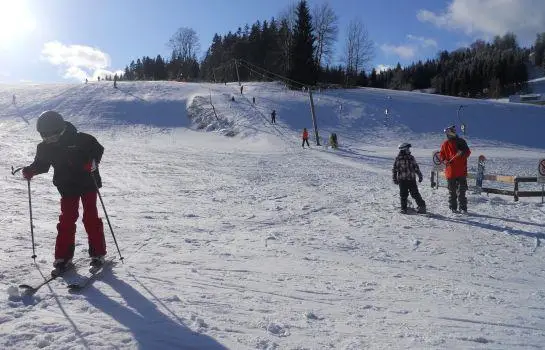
(516, 191)
(314, 124)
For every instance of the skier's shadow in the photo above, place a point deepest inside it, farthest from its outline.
(487, 226)
(507, 219)
(151, 328)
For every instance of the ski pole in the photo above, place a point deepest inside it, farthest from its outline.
(451, 159)
(13, 172)
(107, 218)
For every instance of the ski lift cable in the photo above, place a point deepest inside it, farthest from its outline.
(256, 72)
(274, 74)
(250, 68)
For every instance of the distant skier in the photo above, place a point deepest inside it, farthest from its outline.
(241, 89)
(14, 100)
(253, 100)
(273, 117)
(404, 174)
(305, 137)
(115, 81)
(454, 152)
(74, 156)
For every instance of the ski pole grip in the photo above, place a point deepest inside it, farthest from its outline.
(15, 171)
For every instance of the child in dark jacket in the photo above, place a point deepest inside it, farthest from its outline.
(74, 156)
(404, 174)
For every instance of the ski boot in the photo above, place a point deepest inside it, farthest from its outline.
(421, 210)
(96, 263)
(60, 265)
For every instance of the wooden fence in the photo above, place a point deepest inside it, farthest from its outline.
(515, 180)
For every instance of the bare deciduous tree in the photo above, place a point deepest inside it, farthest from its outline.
(289, 14)
(325, 23)
(359, 48)
(185, 43)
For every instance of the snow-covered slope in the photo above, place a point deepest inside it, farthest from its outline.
(251, 242)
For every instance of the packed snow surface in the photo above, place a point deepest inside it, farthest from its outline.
(234, 236)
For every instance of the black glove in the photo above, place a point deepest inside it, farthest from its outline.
(419, 178)
(396, 181)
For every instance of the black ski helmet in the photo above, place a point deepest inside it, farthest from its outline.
(404, 146)
(50, 123)
(450, 131)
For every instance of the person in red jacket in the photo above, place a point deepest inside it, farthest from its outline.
(454, 153)
(305, 137)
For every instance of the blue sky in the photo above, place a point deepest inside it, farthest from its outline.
(68, 40)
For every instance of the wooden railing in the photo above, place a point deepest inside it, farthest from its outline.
(515, 180)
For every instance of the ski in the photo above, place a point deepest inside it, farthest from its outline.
(88, 279)
(29, 289)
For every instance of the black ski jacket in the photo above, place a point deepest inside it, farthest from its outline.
(68, 157)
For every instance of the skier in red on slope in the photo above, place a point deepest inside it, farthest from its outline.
(75, 157)
(305, 137)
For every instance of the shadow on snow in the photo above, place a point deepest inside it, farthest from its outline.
(151, 328)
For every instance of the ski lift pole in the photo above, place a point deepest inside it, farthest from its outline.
(236, 68)
(313, 113)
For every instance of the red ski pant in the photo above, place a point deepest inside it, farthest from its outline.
(66, 228)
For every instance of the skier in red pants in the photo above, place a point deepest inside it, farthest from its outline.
(74, 156)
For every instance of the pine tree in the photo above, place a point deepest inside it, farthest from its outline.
(303, 67)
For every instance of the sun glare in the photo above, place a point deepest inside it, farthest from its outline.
(15, 21)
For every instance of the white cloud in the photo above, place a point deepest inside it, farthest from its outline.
(424, 42)
(408, 51)
(79, 62)
(383, 67)
(462, 44)
(488, 18)
(403, 51)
